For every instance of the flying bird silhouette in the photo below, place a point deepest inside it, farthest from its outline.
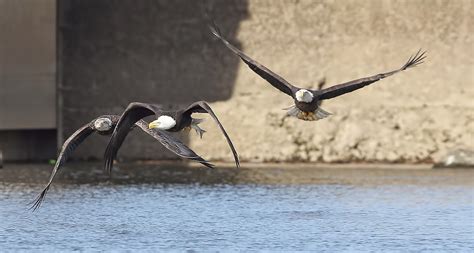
(170, 121)
(104, 125)
(306, 101)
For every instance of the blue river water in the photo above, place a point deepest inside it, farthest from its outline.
(326, 217)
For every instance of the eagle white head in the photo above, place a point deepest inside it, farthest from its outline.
(163, 122)
(103, 124)
(304, 96)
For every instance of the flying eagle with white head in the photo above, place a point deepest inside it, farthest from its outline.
(105, 125)
(306, 101)
(167, 121)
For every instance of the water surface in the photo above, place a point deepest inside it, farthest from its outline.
(408, 215)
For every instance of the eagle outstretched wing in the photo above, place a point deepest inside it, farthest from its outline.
(173, 144)
(274, 79)
(132, 114)
(66, 150)
(203, 107)
(344, 88)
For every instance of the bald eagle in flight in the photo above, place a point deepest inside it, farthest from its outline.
(307, 102)
(167, 121)
(104, 125)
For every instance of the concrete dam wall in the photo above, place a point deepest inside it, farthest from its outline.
(163, 52)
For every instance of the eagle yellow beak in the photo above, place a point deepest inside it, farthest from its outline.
(153, 124)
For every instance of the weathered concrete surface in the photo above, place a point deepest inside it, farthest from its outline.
(110, 53)
(27, 65)
(27, 80)
(416, 116)
(114, 53)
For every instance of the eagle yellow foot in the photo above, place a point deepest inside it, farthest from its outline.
(308, 116)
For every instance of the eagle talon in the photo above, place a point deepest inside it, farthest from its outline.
(307, 116)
